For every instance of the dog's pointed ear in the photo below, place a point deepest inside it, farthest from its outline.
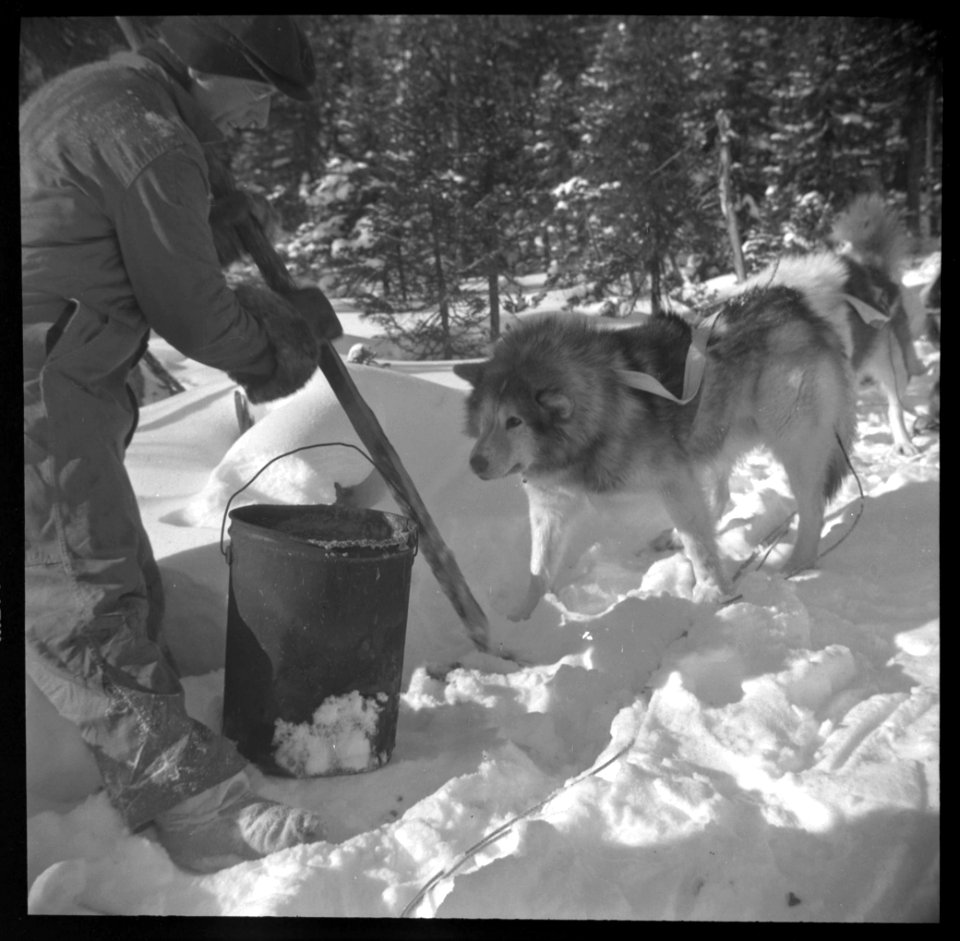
(556, 403)
(471, 372)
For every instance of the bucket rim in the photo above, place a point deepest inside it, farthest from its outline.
(403, 530)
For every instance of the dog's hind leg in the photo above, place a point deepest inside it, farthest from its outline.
(887, 367)
(805, 471)
(809, 434)
(930, 421)
(907, 308)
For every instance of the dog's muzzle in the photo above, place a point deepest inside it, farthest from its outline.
(479, 464)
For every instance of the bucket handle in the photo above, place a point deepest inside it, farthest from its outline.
(305, 447)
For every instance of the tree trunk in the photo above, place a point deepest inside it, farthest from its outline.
(653, 266)
(441, 286)
(493, 290)
(400, 263)
(493, 275)
(726, 198)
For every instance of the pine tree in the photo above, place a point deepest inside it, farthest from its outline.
(634, 187)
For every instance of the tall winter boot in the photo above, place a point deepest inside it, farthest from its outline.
(229, 824)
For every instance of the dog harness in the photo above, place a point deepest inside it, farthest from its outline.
(692, 371)
(869, 315)
(696, 355)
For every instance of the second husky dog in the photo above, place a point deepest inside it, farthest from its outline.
(862, 279)
(552, 405)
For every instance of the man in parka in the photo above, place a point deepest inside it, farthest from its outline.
(116, 241)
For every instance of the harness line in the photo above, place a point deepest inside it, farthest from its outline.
(695, 363)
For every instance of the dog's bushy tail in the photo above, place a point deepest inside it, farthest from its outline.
(844, 431)
(874, 234)
(837, 469)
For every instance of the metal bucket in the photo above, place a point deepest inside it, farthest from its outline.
(316, 624)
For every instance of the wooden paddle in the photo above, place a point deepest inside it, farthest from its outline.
(439, 557)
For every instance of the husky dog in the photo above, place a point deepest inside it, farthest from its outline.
(553, 404)
(857, 283)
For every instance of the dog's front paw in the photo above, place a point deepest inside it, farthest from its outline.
(709, 592)
(906, 448)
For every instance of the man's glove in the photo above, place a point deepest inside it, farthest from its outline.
(317, 311)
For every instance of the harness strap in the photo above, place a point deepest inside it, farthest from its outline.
(869, 315)
(693, 368)
(696, 355)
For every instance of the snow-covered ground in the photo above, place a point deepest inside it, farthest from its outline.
(643, 757)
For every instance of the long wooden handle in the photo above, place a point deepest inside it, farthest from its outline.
(438, 555)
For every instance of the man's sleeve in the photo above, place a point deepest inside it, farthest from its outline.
(167, 248)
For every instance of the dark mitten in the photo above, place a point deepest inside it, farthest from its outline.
(293, 342)
(317, 311)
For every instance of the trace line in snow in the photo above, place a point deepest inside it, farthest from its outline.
(505, 828)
